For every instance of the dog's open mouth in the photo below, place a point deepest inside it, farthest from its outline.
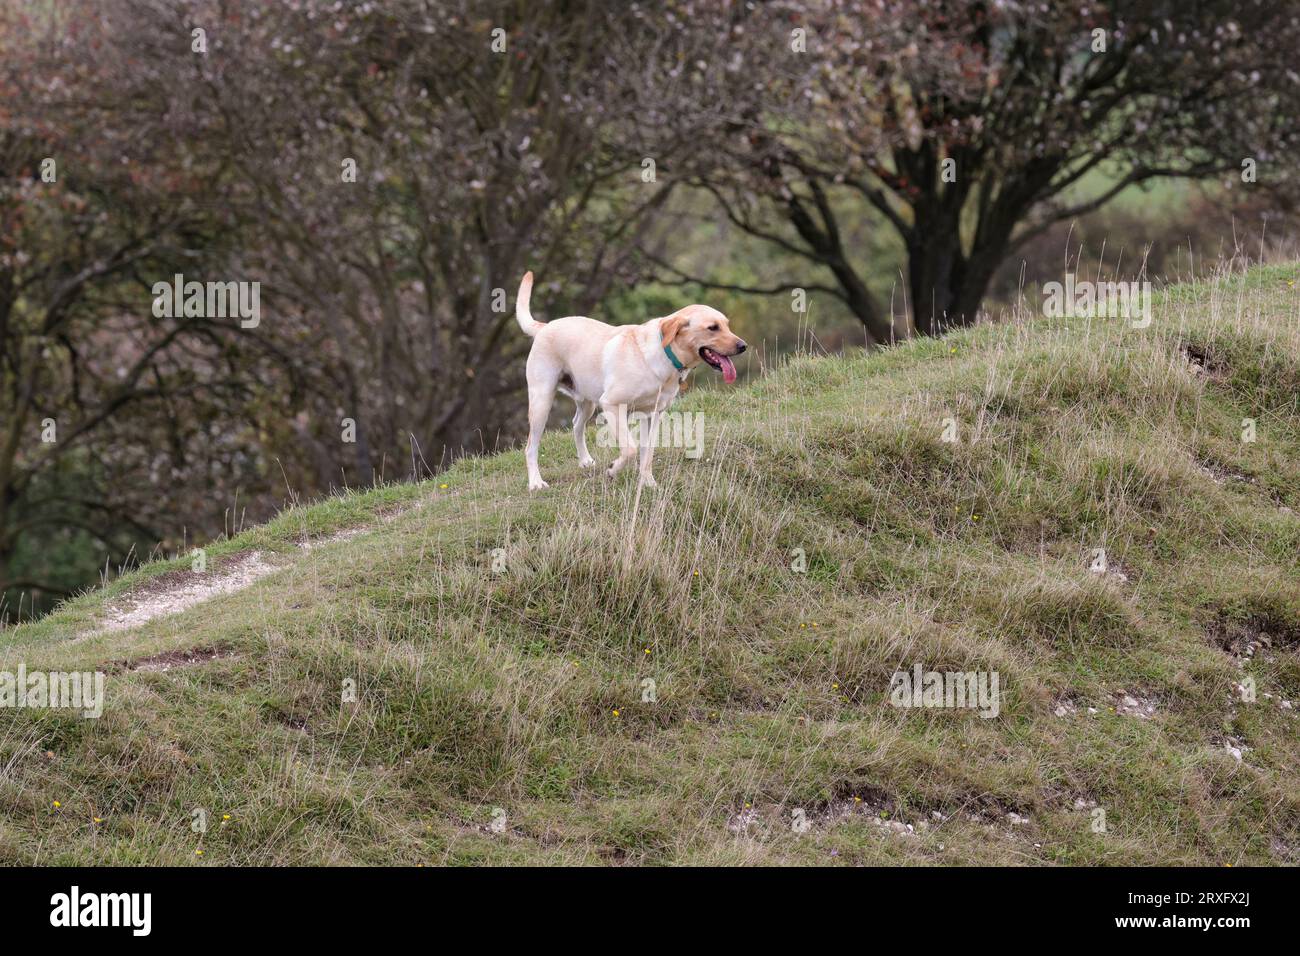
(719, 361)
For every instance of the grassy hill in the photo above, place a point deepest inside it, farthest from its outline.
(518, 692)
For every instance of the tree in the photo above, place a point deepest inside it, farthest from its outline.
(971, 127)
(116, 425)
(395, 169)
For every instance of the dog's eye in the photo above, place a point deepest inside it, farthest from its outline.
(713, 327)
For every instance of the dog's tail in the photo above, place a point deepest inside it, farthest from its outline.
(525, 318)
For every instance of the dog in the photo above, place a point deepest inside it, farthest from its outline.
(621, 369)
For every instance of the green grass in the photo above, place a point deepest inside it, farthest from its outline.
(522, 690)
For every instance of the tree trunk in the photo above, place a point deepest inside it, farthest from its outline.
(947, 285)
(936, 269)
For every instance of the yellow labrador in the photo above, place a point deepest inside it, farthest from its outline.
(630, 368)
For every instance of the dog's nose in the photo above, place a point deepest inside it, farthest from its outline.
(740, 346)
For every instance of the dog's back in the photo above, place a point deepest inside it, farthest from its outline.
(568, 349)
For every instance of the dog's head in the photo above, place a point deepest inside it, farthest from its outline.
(706, 336)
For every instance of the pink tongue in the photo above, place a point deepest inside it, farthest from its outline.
(728, 370)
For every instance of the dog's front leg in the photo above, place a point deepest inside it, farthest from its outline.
(649, 437)
(627, 448)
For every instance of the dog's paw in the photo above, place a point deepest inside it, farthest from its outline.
(587, 462)
(537, 485)
(649, 481)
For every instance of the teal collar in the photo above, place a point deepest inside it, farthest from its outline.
(672, 357)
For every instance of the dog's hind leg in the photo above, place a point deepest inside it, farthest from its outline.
(580, 419)
(540, 396)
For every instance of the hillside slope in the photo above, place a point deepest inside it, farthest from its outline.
(499, 642)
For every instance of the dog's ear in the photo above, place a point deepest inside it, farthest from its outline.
(671, 326)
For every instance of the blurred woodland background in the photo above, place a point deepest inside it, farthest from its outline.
(912, 165)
